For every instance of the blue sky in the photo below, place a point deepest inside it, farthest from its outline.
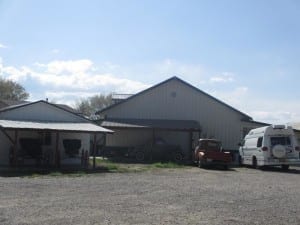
(245, 53)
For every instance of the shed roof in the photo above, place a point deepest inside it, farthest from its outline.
(53, 126)
(152, 123)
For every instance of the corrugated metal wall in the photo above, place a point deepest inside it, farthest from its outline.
(176, 100)
(132, 138)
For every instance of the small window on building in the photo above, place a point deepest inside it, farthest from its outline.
(173, 94)
(259, 142)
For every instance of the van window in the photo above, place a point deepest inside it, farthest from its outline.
(259, 142)
(280, 141)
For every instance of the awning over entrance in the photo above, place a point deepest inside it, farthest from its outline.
(179, 125)
(53, 126)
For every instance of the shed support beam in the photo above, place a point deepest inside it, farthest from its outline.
(57, 152)
(191, 142)
(15, 148)
(152, 144)
(6, 134)
(94, 151)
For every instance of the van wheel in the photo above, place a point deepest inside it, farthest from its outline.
(285, 167)
(254, 163)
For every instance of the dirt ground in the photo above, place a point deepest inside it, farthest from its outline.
(160, 196)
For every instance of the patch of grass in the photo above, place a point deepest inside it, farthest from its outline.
(40, 173)
(111, 166)
(168, 165)
(102, 166)
(55, 173)
(75, 173)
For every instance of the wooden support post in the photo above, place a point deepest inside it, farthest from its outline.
(57, 152)
(104, 144)
(191, 143)
(152, 144)
(15, 148)
(191, 140)
(94, 151)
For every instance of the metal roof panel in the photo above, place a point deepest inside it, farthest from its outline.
(62, 126)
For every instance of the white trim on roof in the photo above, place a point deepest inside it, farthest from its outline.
(54, 126)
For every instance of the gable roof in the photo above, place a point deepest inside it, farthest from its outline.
(183, 82)
(61, 107)
(4, 104)
(85, 125)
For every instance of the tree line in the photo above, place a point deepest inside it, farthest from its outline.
(11, 90)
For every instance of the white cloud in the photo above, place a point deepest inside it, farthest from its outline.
(67, 81)
(67, 67)
(77, 78)
(235, 97)
(194, 73)
(273, 111)
(3, 46)
(274, 117)
(14, 73)
(260, 108)
(67, 94)
(55, 51)
(225, 77)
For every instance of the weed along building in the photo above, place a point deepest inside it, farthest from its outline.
(44, 133)
(177, 112)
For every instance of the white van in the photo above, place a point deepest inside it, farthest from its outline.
(274, 145)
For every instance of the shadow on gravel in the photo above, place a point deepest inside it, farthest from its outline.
(126, 160)
(36, 172)
(219, 168)
(292, 170)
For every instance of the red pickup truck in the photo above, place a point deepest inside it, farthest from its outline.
(209, 152)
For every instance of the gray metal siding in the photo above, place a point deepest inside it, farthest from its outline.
(132, 138)
(128, 138)
(216, 120)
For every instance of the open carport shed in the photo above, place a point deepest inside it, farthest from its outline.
(44, 131)
(55, 127)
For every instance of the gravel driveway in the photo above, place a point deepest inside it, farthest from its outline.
(162, 196)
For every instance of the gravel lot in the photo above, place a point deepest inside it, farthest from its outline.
(162, 196)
